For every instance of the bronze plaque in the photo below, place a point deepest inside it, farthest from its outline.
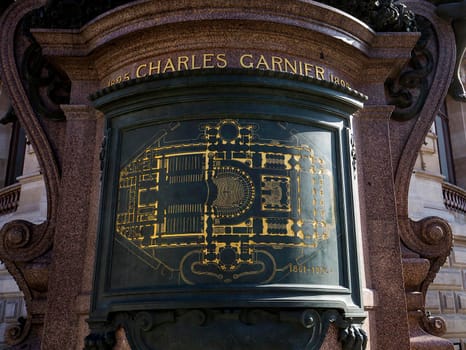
(227, 201)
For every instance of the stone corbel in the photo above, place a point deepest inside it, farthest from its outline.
(426, 245)
(27, 256)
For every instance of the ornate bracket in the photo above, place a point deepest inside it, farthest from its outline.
(26, 254)
(426, 246)
(35, 89)
(234, 329)
(46, 86)
(409, 90)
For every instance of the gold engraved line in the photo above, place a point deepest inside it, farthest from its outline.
(269, 145)
(146, 253)
(176, 235)
(174, 147)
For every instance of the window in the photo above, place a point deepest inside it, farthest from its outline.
(12, 143)
(16, 156)
(444, 146)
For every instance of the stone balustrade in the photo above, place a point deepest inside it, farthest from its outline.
(9, 198)
(454, 197)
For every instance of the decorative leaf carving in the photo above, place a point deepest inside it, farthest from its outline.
(408, 91)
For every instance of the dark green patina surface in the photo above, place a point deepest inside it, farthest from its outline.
(227, 190)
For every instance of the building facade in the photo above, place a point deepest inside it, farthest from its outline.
(437, 188)
(234, 173)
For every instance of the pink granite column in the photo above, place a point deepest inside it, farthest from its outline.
(382, 255)
(73, 250)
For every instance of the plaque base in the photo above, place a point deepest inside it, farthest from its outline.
(229, 329)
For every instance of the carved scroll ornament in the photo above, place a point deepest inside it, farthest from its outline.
(408, 91)
(22, 250)
(426, 244)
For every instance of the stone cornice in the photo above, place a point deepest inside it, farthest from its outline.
(143, 14)
(380, 15)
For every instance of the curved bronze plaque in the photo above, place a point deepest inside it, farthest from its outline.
(228, 201)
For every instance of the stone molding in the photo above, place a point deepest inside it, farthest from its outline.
(147, 34)
(386, 16)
